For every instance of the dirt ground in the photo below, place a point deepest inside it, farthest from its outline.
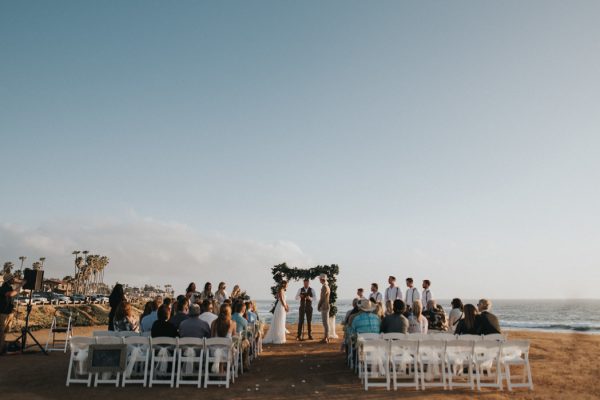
(565, 366)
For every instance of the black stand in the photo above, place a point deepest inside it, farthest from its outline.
(25, 330)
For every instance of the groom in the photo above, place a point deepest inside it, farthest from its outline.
(323, 306)
(305, 296)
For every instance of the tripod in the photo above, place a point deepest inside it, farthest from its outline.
(26, 331)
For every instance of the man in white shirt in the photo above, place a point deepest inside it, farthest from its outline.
(412, 293)
(391, 293)
(427, 295)
(375, 296)
(207, 315)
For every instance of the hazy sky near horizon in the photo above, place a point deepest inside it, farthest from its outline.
(192, 141)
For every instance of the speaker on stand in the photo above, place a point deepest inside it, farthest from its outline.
(34, 279)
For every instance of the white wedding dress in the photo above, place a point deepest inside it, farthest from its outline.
(276, 332)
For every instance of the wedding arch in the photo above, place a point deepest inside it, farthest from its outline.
(282, 272)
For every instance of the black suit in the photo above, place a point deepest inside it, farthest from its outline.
(305, 310)
(488, 323)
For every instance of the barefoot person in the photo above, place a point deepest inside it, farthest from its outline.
(305, 296)
(323, 306)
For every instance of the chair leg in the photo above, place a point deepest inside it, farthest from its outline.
(529, 380)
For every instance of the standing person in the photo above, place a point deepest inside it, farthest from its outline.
(191, 294)
(360, 293)
(426, 296)
(7, 292)
(412, 294)
(207, 293)
(235, 293)
(116, 297)
(323, 306)
(488, 322)
(455, 314)
(221, 294)
(375, 297)
(392, 293)
(305, 296)
(276, 332)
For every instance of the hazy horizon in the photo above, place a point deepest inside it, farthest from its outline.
(209, 141)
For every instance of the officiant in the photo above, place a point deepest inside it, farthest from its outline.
(305, 296)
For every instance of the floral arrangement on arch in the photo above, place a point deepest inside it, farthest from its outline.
(282, 273)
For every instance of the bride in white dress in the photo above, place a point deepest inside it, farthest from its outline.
(276, 332)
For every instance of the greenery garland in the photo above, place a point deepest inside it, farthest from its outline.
(282, 272)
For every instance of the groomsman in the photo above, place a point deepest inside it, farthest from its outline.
(412, 293)
(391, 293)
(375, 297)
(305, 296)
(427, 295)
(360, 293)
(323, 306)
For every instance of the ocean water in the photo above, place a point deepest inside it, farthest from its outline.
(544, 315)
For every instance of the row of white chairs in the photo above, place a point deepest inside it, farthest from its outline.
(161, 360)
(438, 361)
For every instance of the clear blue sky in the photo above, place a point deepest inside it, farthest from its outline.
(456, 141)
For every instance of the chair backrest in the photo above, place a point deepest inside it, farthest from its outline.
(432, 347)
(379, 346)
(191, 341)
(81, 342)
(104, 333)
(127, 333)
(515, 348)
(218, 342)
(368, 336)
(109, 340)
(468, 337)
(417, 336)
(442, 336)
(495, 336)
(393, 336)
(486, 349)
(158, 341)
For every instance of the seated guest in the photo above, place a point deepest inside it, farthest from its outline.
(223, 326)
(161, 327)
(488, 322)
(124, 319)
(255, 309)
(379, 311)
(360, 293)
(207, 312)
(395, 322)
(238, 316)
(167, 302)
(455, 314)
(417, 323)
(365, 321)
(436, 316)
(351, 312)
(469, 323)
(181, 312)
(251, 316)
(148, 319)
(193, 326)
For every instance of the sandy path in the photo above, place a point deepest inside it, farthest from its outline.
(301, 370)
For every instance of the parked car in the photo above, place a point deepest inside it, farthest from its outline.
(37, 298)
(60, 298)
(99, 298)
(78, 298)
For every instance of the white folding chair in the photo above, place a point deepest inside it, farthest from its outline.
(431, 356)
(442, 336)
(368, 336)
(190, 354)
(138, 360)
(360, 339)
(513, 353)
(486, 358)
(77, 372)
(104, 333)
(495, 336)
(417, 336)
(459, 355)
(108, 377)
(393, 336)
(124, 334)
(55, 329)
(403, 359)
(217, 351)
(375, 363)
(468, 337)
(163, 352)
